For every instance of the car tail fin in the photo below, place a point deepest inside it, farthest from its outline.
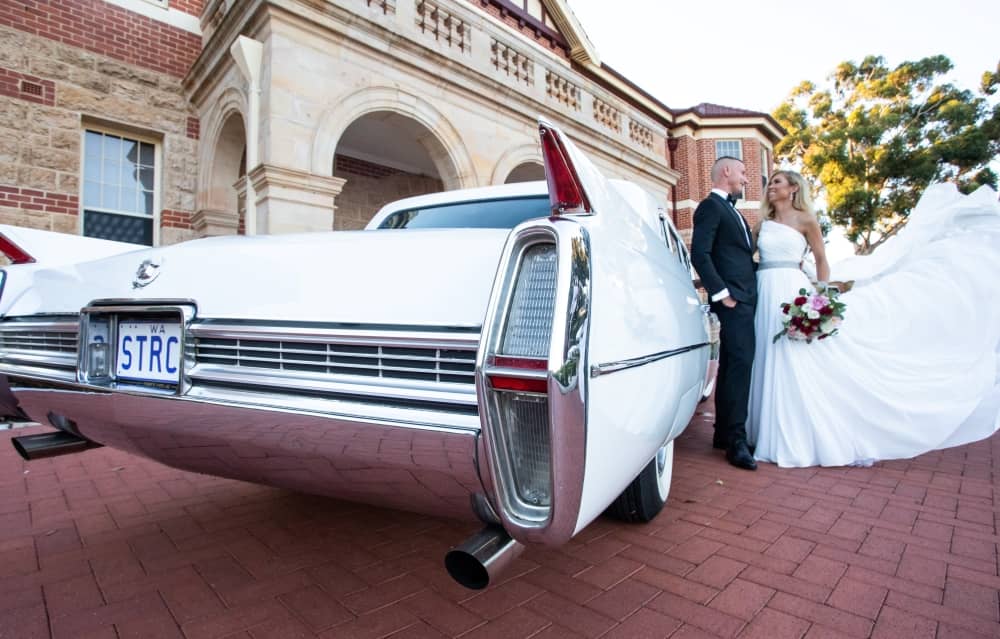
(575, 184)
(23, 245)
(13, 252)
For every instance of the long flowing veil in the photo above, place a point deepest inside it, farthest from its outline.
(941, 212)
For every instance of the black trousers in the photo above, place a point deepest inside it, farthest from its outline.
(732, 391)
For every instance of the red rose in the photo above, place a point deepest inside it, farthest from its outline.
(826, 310)
(800, 300)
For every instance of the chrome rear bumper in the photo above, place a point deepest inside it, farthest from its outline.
(411, 465)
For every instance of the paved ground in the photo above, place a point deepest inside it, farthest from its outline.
(105, 545)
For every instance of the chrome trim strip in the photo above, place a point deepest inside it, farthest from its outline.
(361, 337)
(384, 415)
(389, 388)
(519, 373)
(35, 373)
(611, 367)
(15, 326)
(56, 359)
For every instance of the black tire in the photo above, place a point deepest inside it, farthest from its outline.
(645, 496)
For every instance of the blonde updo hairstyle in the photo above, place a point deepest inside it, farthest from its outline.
(801, 200)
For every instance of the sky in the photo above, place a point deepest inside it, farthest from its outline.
(751, 55)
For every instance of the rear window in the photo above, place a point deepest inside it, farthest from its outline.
(484, 214)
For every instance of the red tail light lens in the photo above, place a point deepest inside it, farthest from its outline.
(566, 193)
(14, 253)
(519, 384)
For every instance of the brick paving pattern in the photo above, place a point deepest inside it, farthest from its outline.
(106, 545)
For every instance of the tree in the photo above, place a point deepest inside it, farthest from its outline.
(875, 137)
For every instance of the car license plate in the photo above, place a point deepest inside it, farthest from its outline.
(149, 351)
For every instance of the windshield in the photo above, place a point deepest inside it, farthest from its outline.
(484, 214)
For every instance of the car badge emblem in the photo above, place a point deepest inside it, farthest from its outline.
(147, 272)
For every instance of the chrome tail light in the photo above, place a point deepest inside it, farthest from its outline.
(532, 356)
(515, 374)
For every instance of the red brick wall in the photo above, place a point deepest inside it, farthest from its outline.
(27, 87)
(193, 127)
(34, 200)
(175, 219)
(355, 166)
(191, 7)
(108, 30)
(694, 159)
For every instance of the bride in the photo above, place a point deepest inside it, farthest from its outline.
(914, 366)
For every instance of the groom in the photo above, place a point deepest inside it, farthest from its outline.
(722, 253)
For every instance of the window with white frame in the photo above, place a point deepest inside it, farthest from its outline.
(731, 148)
(765, 169)
(120, 187)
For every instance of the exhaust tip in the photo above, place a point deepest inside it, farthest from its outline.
(480, 558)
(466, 569)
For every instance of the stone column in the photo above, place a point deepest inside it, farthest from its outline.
(292, 201)
(208, 222)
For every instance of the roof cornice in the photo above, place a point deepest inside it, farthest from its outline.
(581, 49)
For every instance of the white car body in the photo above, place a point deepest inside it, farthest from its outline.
(628, 348)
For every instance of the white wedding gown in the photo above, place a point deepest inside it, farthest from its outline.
(914, 367)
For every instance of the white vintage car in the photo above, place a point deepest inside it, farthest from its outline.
(522, 354)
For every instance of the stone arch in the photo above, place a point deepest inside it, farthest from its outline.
(222, 152)
(443, 142)
(515, 158)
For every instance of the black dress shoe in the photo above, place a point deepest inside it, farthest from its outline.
(719, 442)
(739, 455)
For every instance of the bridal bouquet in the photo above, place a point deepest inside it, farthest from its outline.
(812, 316)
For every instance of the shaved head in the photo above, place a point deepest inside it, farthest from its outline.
(724, 164)
(730, 175)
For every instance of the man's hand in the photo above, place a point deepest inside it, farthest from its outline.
(728, 302)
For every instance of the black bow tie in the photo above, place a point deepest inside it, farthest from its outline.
(732, 199)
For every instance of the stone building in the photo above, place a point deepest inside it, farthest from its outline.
(157, 121)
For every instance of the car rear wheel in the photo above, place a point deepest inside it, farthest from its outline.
(645, 496)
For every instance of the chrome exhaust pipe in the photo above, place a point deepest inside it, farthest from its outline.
(480, 558)
(50, 444)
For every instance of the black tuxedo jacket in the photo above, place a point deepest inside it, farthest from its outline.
(719, 250)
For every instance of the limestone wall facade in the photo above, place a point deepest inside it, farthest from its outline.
(90, 79)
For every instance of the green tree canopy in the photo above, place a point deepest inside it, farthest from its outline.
(875, 137)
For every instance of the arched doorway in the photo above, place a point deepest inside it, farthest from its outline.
(383, 156)
(526, 172)
(226, 185)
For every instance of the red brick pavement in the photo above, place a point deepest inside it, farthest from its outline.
(103, 544)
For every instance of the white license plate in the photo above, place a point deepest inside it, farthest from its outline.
(149, 351)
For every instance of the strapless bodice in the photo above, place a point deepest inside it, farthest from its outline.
(779, 242)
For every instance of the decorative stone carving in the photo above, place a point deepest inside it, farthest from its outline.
(562, 90)
(445, 27)
(607, 115)
(513, 63)
(639, 134)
